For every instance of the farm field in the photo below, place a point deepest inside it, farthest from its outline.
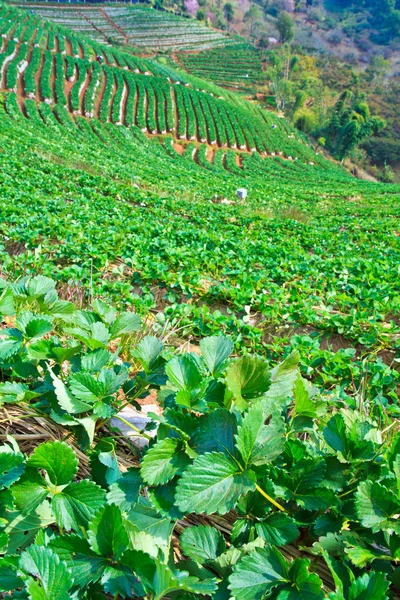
(239, 67)
(259, 339)
(138, 25)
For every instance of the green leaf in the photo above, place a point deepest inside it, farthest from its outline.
(149, 530)
(85, 387)
(12, 465)
(76, 505)
(9, 580)
(377, 507)
(258, 443)
(216, 432)
(248, 378)
(303, 584)
(163, 461)
(361, 556)
(125, 492)
(166, 581)
(33, 326)
(148, 351)
(215, 351)
(30, 491)
(283, 378)
(50, 579)
(7, 307)
(258, 573)
(23, 528)
(335, 435)
(119, 580)
(86, 567)
(277, 529)
(127, 322)
(57, 459)
(106, 533)
(65, 399)
(183, 372)
(16, 392)
(39, 286)
(202, 543)
(373, 586)
(265, 569)
(303, 405)
(106, 312)
(212, 484)
(9, 347)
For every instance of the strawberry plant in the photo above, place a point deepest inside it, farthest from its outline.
(292, 472)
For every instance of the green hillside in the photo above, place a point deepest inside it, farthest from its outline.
(139, 25)
(262, 334)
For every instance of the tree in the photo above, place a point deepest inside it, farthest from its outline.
(350, 124)
(228, 13)
(285, 27)
(304, 119)
(253, 15)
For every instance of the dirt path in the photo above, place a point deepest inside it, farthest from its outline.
(99, 97)
(68, 46)
(116, 27)
(38, 75)
(68, 85)
(83, 89)
(210, 153)
(122, 106)
(135, 106)
(175, 111)
(4, 42)
(20, 79)
(145, 109)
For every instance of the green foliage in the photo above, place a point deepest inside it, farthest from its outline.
(285, 26)
(350, 124)
(234, 434)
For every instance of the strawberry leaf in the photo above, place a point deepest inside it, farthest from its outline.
(57, 459)
(202, 543)
(258, 443)
(48, 578)
(163, 461)
(213, 483)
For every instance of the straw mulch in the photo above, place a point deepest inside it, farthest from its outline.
(30, 430)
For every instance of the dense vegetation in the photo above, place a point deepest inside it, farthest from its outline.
(296, 467)
(277, 436)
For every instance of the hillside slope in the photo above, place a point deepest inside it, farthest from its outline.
(150, 216)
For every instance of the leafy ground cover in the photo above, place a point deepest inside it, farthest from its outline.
(288, 468)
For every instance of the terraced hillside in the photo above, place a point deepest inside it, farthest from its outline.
(56, 68)
(138, 25)
(238, 67)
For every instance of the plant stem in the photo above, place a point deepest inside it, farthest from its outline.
(132, 427)
(274, 502)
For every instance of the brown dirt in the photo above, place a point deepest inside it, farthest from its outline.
(84, 89)
(100, 95)
(38, 76)
(210, 154)
(178, 148)
(68, 46)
